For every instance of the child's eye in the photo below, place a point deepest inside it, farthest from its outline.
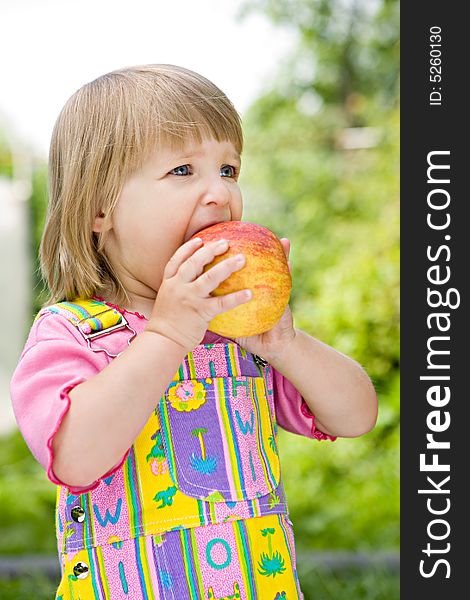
(228, 171)
(181, 170)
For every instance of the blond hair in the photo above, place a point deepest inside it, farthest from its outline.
(103, 134)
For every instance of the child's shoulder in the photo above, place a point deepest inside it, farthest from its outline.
(54, 322)
(80, 318)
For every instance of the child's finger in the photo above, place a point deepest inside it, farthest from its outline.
(194, 265)
(221, 304)
(181, 255)
(286, 246)
(213, 277)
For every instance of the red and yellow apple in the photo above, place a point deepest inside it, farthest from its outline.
(266, 273)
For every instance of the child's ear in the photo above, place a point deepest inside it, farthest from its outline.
(100, 225)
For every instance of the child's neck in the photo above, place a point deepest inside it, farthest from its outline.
(142, 307)
(137, 304)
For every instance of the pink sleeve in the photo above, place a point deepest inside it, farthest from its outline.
(55, 359)
(292, 412)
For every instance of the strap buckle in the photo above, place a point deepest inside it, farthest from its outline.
(90, 335)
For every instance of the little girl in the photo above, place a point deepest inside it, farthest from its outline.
(160, 435)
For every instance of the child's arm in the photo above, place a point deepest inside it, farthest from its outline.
(336, 388)
(108, 410)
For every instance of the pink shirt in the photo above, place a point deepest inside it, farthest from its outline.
(56, 358)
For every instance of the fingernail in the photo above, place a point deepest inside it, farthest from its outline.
(248, 294)
(197, 240)
(222, 242)
(240, 258)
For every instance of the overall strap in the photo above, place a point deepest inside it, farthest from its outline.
(92, 318)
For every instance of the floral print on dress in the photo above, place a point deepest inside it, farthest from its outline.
(156, 457)
(187, 395)
(226, 446)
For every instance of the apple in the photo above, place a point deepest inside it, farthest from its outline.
(266, 273)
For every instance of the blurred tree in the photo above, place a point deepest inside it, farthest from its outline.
(327, 170)
(345, 46)
(37, 214)
(6, 159)
(37, 205)
(321, 167)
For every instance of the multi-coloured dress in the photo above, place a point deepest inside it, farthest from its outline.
(196, 508)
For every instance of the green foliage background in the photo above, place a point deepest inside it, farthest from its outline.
(339, 208)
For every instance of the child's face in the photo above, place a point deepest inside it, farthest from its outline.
(162, 205)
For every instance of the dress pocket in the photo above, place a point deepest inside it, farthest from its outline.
(218, 438)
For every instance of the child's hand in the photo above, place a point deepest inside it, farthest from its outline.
(272, 343)
(184, 307)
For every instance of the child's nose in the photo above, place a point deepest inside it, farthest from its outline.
(215, 192)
